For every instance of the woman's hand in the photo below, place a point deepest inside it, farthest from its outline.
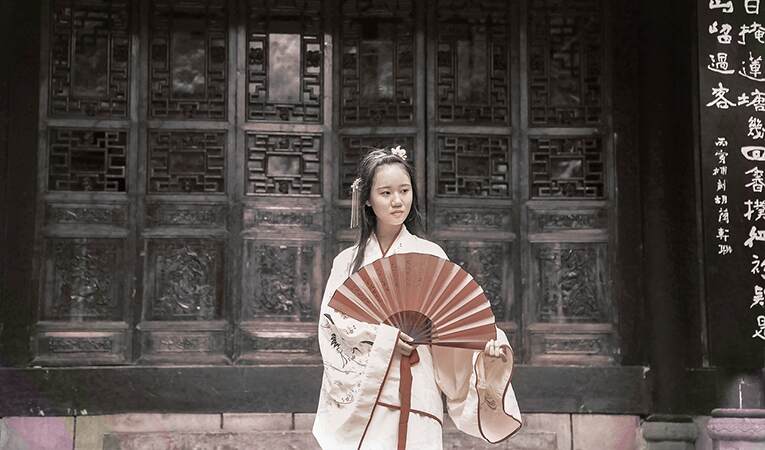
(493, 349)
(404, 344)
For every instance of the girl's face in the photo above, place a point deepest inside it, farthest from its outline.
(391, 195)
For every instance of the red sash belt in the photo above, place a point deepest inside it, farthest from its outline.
(405, 394)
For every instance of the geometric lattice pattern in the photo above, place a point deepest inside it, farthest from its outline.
(184, 279)
(565, 51)
(186, 161)
(87, 160)
(570, 282)
(89, 58)
(567, 167)
(473, 166)
(83, 280)
(354, 148)
(187, 61)
(285, 61)
(473, 61)
(283, 164)
(377, 73)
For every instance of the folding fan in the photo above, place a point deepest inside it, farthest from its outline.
(431, 299)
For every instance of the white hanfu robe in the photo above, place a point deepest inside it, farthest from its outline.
(359, 400)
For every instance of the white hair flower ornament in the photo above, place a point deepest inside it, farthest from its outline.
(399, 151)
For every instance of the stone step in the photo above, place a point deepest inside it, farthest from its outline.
(297, 440)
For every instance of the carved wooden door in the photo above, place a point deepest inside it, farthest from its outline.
(197, 158)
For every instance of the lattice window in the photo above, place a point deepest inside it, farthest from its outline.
(188, 59)
(186, 161)
(473, 166)
(285, 61)
(565, 62)
(82, 279)
(87, 160)
(283, 164)
(89, 58)
(377, 74)
(354, 148)
(567, 167)
(184, 279)
(473, 61)
(570, 283)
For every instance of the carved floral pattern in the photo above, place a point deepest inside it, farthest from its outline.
(83, 276)
(572, 283)
(188, 280)
(486, 263)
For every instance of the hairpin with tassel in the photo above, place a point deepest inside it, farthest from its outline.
(355, 207)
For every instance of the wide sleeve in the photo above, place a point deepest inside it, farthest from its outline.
(356, 359)
(479, 396)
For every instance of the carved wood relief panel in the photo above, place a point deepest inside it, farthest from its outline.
(184, 279)
(285, 61)
(280, 280)
(82, 279)
(570, 281)
(90, 58)
(489, 262)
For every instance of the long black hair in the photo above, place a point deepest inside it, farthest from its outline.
(367, 219)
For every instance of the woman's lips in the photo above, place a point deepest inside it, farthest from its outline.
(397, 213)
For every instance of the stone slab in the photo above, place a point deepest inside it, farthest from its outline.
(560, 424)
(304, 421)
(703, 441)
(37, 433)
(257, 422)
(523, 440)
(266, 440)
(605, 431)
(92, 429)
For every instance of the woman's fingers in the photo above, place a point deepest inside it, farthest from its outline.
(494, 349)
(404, 348)
(405, 337)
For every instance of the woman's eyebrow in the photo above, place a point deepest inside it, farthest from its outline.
(388, 187)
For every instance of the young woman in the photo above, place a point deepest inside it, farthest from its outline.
(360, 406)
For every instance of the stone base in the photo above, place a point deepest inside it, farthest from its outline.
(670, 435)
(233, 431)
(737, 429)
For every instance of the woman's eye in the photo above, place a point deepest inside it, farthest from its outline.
(404, 191)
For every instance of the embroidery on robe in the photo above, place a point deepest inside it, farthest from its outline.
(352, 361)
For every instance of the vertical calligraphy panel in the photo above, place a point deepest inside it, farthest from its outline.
(732, 153)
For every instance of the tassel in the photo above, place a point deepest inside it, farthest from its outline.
(355, 208)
